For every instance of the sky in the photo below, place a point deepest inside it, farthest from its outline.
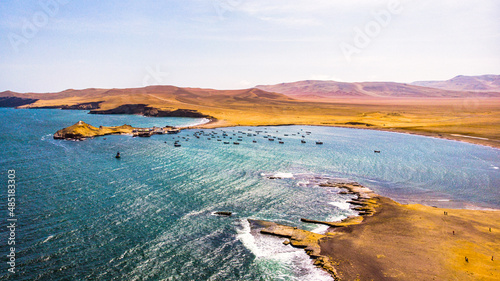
(53, 45)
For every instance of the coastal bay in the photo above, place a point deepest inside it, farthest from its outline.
(164, 192)
(463, 116)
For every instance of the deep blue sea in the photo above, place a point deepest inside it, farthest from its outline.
(84, 215)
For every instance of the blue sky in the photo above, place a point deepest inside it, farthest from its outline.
(53, 45)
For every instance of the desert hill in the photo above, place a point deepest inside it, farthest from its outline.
(314, 90)
(464, 115)
(483, 83)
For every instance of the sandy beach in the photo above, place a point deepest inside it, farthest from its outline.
(391, 241)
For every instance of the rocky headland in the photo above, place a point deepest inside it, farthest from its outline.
(15, 101)
(391, 241)
(82, 131)
(78, 106)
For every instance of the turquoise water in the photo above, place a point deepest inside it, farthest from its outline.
(85, 215)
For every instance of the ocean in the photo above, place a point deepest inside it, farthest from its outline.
(82, 214)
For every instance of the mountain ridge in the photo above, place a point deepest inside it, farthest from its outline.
(487, 82)
(325, 89)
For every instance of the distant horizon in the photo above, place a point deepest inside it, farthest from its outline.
(52, 45)
(229, 89)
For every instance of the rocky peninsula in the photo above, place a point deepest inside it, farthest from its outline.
(82, 131)
(391, 241)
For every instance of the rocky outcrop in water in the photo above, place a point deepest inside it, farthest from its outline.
(82, 130)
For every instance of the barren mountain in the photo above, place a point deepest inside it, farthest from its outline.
(314, 90)
(375, 105)
(490, 83)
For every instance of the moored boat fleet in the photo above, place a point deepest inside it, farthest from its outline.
(236, 137)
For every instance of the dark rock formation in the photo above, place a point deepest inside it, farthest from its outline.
(15, 101)
(142, 109)
(80, 106)
(223, 213)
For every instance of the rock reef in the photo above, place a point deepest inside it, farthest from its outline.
(366, 203)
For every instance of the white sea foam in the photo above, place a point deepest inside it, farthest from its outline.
(279, 261)
(201, 122)
(321, 229)
(247, 238)
(283, 175)
(341, 205)
(48, 238)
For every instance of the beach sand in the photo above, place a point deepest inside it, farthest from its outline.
(392, 241)
(416, 242)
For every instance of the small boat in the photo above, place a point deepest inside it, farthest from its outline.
(376, 151)
(303, 141)
(270, 139)
(236, 143)
(254, 141)
(226, 142)
(281, 142)
(118, 156)
(319, 142)
(219, 140)
(177, 145)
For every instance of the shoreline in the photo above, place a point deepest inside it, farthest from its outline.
(216, 122)
(379, 213)
(460, 138)
(388, 240)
